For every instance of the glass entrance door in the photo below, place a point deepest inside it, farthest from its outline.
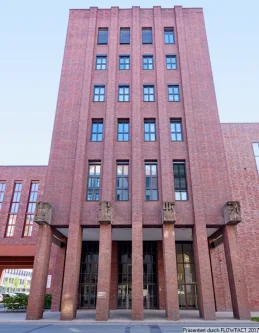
(150, 275)
(187, 286)
(124, 296)
(88, 275)
(124, 276)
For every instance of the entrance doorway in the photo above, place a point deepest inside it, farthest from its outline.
(149, 275)
(187, 286)
(88, 275)
(124, 275)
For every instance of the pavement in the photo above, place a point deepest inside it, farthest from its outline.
(116, 328)
(119, 322)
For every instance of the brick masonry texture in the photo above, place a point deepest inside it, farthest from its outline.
(220, 166)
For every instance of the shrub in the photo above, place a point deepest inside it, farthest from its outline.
(48, 299)
(17, 302)
(20, 301)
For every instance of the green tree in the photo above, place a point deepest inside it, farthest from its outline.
(6, 284)
(25, 284)
(16, 283)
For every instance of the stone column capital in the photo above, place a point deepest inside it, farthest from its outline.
(232, 212)
(43, 213)
(169, 216)
(105, 212)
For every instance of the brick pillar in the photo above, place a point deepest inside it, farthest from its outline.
(137, 272)
(236, 277)
(40, 273)
(203, 273)
(114, 277)
(170, 273)
(58, 279)
(69, 300)
(160, 275)
(104, 272)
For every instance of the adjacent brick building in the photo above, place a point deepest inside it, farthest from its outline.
(140, 201)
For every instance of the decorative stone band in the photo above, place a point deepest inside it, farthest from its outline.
(169, 215)
(105, 212)
(43, 213)
(232, 212)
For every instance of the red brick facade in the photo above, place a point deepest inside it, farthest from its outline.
(220, 168)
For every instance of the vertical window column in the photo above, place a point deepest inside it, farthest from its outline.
(149, 129)
(13, 210)
(122, 193)
(93, 188)
(256, 153)
(2, 190)
(97, 130)
(176, 130)
(123, 130)
(180, 185)
(151, 181)
(31, 209)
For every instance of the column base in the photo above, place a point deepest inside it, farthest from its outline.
(137, 316)
(33, 316)
(173, 316)
(67, 316)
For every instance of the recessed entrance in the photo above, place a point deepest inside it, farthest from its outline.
(150, 300)
(187, 286)
(88, 275)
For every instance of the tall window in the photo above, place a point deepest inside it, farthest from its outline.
(2, 189)
(99, 93)
(147, 62)
(169, 35)
(93, 188)
(101, 62)
(171, 62)
(124, 93)
(173, 93)
(148, 93)
(256, 152)
(151, 181)
(147, 36)
(149, 129)
(122, 191)
(97, 130)
(102, 36)
(123, 130)
(180, 185)
(176, 130)
(31, 209)
(13, 210)
(124, 35)
(124, 62)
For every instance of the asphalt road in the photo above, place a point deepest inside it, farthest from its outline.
(107, 328)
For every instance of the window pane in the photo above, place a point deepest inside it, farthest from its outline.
(147, 170)
(177, 196)
(152, 137)
(102, 35)
(124, 35)
(153, 170)
(146, 35)
(119, 169)
(154, 195)
(256, 148)
(98, 169)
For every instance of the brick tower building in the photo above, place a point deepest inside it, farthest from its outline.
(142, 193)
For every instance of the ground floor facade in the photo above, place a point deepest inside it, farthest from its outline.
(121, 279)
(167, 267)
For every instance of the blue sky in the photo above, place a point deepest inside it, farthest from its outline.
(32, 36)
